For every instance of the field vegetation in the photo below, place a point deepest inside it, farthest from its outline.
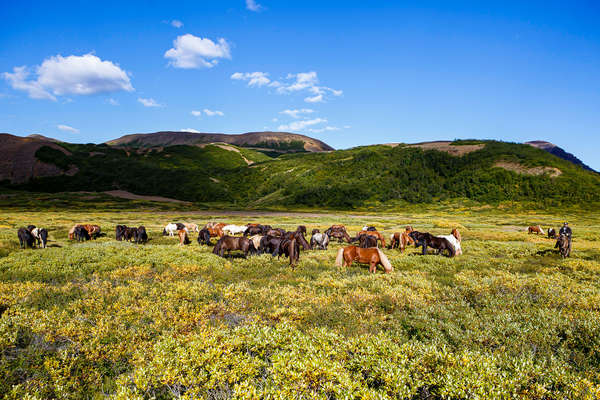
(106, 319)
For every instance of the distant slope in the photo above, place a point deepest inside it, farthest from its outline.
(272, 140)
(18, 163)
(559, 152)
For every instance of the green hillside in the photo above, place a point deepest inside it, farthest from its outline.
(338, 179)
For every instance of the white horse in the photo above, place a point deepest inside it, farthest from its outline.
(171, 229)
(234, 229)
(41, 235)
(320, 240)
(454, 242)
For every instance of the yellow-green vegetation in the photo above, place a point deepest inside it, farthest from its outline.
(508, 319)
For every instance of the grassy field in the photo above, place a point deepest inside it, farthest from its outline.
(508, 319)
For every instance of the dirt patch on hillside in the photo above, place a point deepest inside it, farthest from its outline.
(448, 147)
(521, 169)
(128, 195)
(228, 148)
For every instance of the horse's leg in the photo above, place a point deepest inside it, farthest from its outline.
(424, 248)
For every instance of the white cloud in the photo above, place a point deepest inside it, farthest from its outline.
(80, 75)
(257, 79)
(190, 51)
(212, 113)
(149, 102)
(196, 113)
(301, 125)
(252, 5)
(347, 127)
(67, 128)
(296, 113)
(314, 99)
(113, 102)
(324, 129)
(302, 81)
(176, 23)
(190, 130)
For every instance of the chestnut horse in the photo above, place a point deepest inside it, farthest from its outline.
(228, 243)
(399, 240)
(371, 256)
(563, 246)
(535, 229)
(183, 237)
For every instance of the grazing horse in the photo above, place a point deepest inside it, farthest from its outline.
(256, 241)
(93, 230)
(319, 240)
(299, 236)
(268, 244)
(234, 229)
(563, 246)
(229, 243)
(374, 234)
(41, 235)
(204, 237)
(428, 240)
(191, 227)
(454, 239)
(371, 256)
(551, 233)
(535, 229)
(72, 231)
(140, 235)
(81, 234)
(26, 239)
(215, 232)
(119, 232)
(367, 241)
(338, 232)
(369, 228)
(399, 240)
(253, 229)
(171, 228)
(183, 237)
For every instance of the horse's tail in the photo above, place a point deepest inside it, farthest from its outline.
(340, 258)
(384, 261)
(294, 250)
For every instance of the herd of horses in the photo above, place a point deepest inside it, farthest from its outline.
(255, 239)
(563, 244)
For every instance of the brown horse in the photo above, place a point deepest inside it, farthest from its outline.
(229, 243)
(535, 229)
(93, 230)
(400, 240)
(374, 234)
(371, 256)
(338, 232)
(563, 246)
(216, 231)
(183, 237)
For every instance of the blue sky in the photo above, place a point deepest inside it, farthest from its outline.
(347, 72)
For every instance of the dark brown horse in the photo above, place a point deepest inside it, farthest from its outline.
(229, 243)
(374, 234)
(338, 232)
(562, 243)
(371, 256)
(428, 240)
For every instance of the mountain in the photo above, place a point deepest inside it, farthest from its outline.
(278, 141)
(559, 152)
(220, 173)
(19, 164)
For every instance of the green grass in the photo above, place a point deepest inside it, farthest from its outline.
(508, 319)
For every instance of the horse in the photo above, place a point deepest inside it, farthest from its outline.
(234, 229)
(319, 240)
(371, 256)
(119, 232)
(171, 228)
(551, 233)
(41, 235)
(338, 232)
(253, 229)
(204, 237)
(367, 241)
(256, 241)
(228, 243)
(268, 244)
(26, 239)
(214, 224)
(535, 229)
(183, 237)
(369, 228)
(562, 243)
(399, 240)
(375, 234)
(191, 227)
(72, 232)
(428, 240)
(140, 235)
(299, 236)
(290, 248)
(315, 231)
(454, 239)
(216, 231)
(81, 234)
(93, 230)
